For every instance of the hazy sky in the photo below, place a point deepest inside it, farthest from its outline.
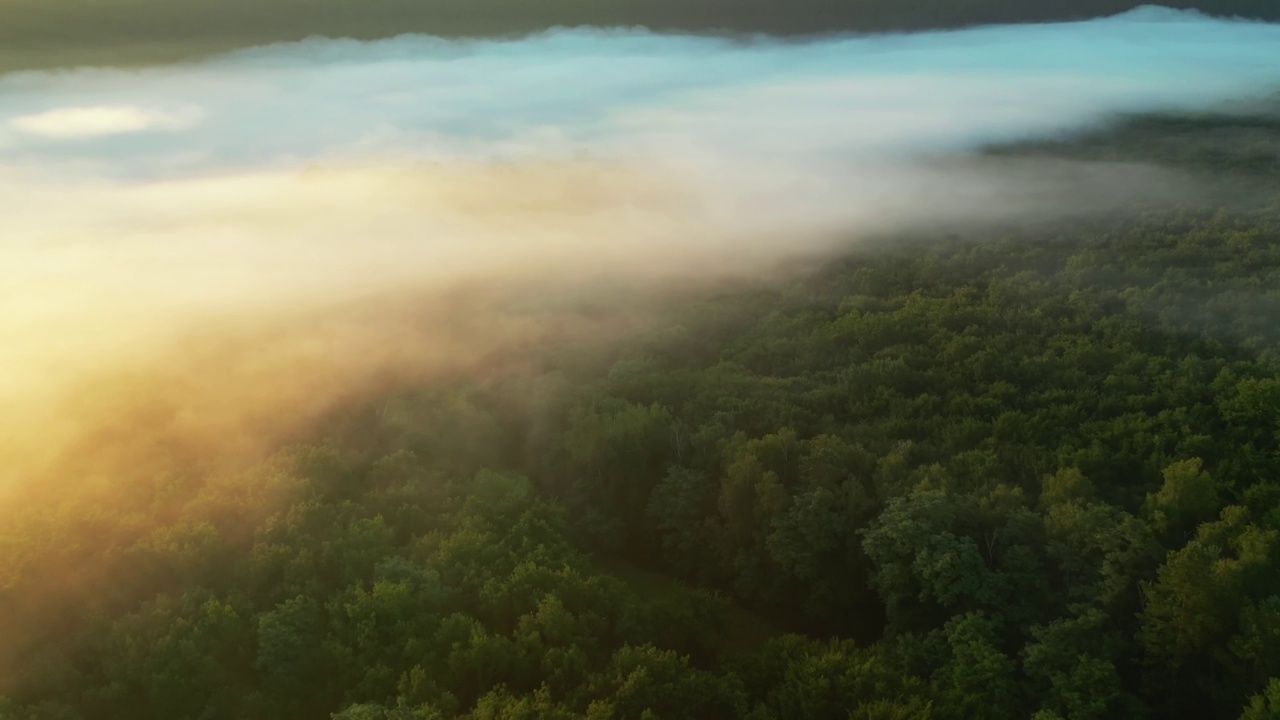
(137, 203)
(624, 93)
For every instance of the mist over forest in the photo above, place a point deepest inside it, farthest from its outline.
(405, 360)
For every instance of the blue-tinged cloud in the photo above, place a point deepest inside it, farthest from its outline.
(132, 200)
(620, 93)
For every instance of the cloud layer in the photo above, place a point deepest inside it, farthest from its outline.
(628, 93)
(138, 204)
(72, 123)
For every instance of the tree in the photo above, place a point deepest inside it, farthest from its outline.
(1265, 705)
(1071, 662)
(1188, 497)
(1194, 606)
(680, 508)
(979, 680)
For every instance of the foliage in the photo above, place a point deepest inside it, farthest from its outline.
(1034, 476)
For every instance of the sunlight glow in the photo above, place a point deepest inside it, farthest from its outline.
(90, 122)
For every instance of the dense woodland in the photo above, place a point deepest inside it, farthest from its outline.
(51, 33)
(1032, 473)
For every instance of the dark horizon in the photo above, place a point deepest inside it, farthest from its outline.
(37, 34)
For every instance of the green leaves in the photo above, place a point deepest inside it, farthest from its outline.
(1188, 497)
(979, 679)
(1072, 663)
(1265, 705)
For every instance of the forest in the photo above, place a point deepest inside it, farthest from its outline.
(1013, 472)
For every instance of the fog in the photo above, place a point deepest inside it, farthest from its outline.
(252, 238)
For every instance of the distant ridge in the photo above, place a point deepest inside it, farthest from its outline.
(40, 34)
(1161, 13)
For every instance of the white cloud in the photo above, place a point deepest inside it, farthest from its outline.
(575, 151)
(73, 123)
(622, 93)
